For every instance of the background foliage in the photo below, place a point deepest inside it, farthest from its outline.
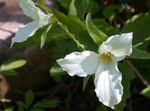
(83, 25)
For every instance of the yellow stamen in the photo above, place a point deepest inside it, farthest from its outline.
(106, 57)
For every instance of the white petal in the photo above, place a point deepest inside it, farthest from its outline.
(80, 63)
(34, 12)
(119, 45)
(29, 8)
(25, 32)
(45, 19)
(108, 86)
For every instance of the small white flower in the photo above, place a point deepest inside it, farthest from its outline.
(107, 81)
(39, 18)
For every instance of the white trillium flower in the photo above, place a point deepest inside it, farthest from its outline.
(108, 87)
(39, 18)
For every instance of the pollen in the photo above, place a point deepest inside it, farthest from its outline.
(106, 57)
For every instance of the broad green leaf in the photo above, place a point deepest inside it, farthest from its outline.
(85, 6)
(12, 64)
(94, 7)
(146, 91)
(145, 41)
(139, 25)
(29, 98)
(56, 33)
(111, 10)
(102, 25)
(44, 35)
(97, 35)
(82, 7)
(47, 103)
(127, 75)
(64, 3)
(72, 8)
(76, 29)
(72, 36)
(62, 47)
(139, 54)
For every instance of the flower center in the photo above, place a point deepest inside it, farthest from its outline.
(106, 57)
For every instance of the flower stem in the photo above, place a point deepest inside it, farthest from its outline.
(137, 73)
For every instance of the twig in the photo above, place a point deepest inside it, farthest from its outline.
(137, 73)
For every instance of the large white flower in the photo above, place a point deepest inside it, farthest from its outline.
(39, 18)
(107, 81)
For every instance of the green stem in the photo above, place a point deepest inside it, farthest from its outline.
(136, 72)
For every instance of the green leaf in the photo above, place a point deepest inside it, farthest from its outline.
(21, 106)
(139, 54)
(102, 25)
(111, 10)
(82, 7)
(97, 35)
(20, 103)
(12, 64)
(56, 72)
(127, 75)
(72, 8)
(139, 25)
(64, 3)
(37, 109)
(76, 30)
(9, 73)
(85, 82)
(146, 91)
(44, 36)
(47, 104)
(56, 33)
(9, 109)
(29, 97)
(42, 5)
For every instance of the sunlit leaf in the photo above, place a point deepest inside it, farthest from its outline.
(8, 109)
(56, 72)
(12, 64)
(97, 35)
(44, 35)
(72, 8)
(146, 91)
